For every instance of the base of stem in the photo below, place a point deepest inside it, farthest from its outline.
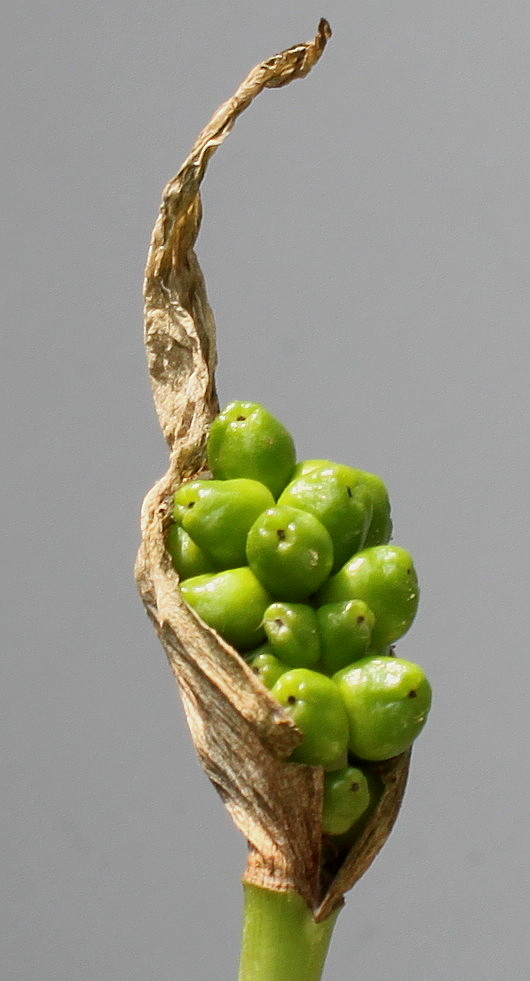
(281, 941)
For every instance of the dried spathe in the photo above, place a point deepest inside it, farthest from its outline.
(241, 735)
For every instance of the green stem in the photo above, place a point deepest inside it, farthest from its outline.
(281, 941)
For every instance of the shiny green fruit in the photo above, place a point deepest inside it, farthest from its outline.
(267, 667)
(304, 467)
(337, 496)
(292, 632)
(187, 558)
(290, 552)
(232, 603)
(379, 529)
(346, 799)
(316, 707)
(385, 579)
(245, 440)
(218, 514)
(387, 701)
(345, 630)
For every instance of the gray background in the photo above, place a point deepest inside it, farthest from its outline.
(366, 246)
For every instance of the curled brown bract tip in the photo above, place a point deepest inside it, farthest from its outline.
(297, 61)
(241, 734)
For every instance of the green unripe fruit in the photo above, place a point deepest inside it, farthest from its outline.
(385, 579)
(315, 704)
(304, 467)
(345, 630)
(346, 799)
(232, 602)
(245, 440)
(267, 667)
(218, 514)
(387, 701)
(380, 528)
(187, 558)
(339, 499)
(290, 552)
(292, 632)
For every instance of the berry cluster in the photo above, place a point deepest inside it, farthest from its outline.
(291, 564)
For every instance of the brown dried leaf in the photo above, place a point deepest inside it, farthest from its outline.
(241, 734)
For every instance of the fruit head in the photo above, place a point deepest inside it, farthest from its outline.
(290, 552)
(385, 579)
(232, 603)
(315, 704)
(387, 702)
(245, 440)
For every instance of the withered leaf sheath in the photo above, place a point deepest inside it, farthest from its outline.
(242, 736)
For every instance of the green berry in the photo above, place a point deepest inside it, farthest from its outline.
(387, 702)
(337, 496)
(187, 558)
(346, 799)
(245, 440)
(345, 630)
(304, 467)
(292, 632)
(385, 579)
(267, 667)
(315, 704)
(218, 514)
(232, 603)
(380, 526)
(290, 552)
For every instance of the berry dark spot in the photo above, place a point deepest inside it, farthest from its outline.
(348, 491)
(412, 693)
(360, 619)
(291, 700)
(241, 418)
(278, 622)
(281, 534)
(191, 504)
(355, 787)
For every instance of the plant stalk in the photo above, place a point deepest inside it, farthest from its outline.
(281, 941)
